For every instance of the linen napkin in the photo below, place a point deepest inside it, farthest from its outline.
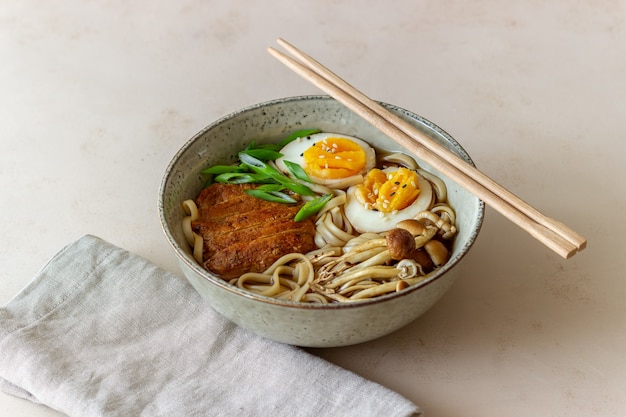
(103, 332)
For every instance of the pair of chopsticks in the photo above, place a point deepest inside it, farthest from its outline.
(555, 235)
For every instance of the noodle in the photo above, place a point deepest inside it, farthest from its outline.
(332, 228)
(347, 266)
(437, 183)
(448, 230)
(194, 239)
(280, 280)
(382, 289)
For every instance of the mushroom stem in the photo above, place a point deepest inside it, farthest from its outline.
(374, 272)
(383, 288)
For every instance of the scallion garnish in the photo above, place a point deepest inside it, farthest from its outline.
(297, 171)
(298, 134)
(254, 169)
(312, 207)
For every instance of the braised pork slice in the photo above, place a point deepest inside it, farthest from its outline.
(242, 233)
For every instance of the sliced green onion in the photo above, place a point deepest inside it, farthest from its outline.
(252, 162)
(271, 187)
(297, 171)
(263, 154)
(241, 178)
(261, 167)
(273, 196)
(296, 187)
(298, 134)
(269, 146)
(312, 207)
(253, 169)
(221, 169)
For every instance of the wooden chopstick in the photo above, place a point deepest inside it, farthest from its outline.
(568, 234)
(553, 234)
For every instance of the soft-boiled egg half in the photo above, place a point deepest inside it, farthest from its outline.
(331, 159)
(386, 197)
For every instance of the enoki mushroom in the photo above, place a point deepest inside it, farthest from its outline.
(363, 267)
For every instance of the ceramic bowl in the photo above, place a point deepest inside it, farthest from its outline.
(297, 323)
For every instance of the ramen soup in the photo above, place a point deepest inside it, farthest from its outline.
(320, 218)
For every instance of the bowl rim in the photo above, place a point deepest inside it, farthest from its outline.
(214, 279)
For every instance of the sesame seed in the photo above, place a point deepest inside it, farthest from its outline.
(337, 157)
(403, 185)
(397, 182)
(392, 194)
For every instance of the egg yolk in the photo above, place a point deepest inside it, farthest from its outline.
(388, 192)
(334, 158)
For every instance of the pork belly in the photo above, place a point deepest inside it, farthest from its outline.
(242, 233)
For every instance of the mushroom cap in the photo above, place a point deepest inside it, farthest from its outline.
(437, 251)
(414, 226)
(400, 243)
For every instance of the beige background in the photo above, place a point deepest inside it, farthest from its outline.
(97, 96)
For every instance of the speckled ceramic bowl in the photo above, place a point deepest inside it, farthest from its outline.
(291, 322)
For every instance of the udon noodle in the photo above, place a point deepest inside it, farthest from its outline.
(348, 266)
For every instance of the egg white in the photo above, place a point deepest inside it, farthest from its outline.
(294, 150)
(365, 220)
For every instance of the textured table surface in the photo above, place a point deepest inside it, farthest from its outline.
(98, 96)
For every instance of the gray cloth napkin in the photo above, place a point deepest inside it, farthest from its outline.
(103, 332)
